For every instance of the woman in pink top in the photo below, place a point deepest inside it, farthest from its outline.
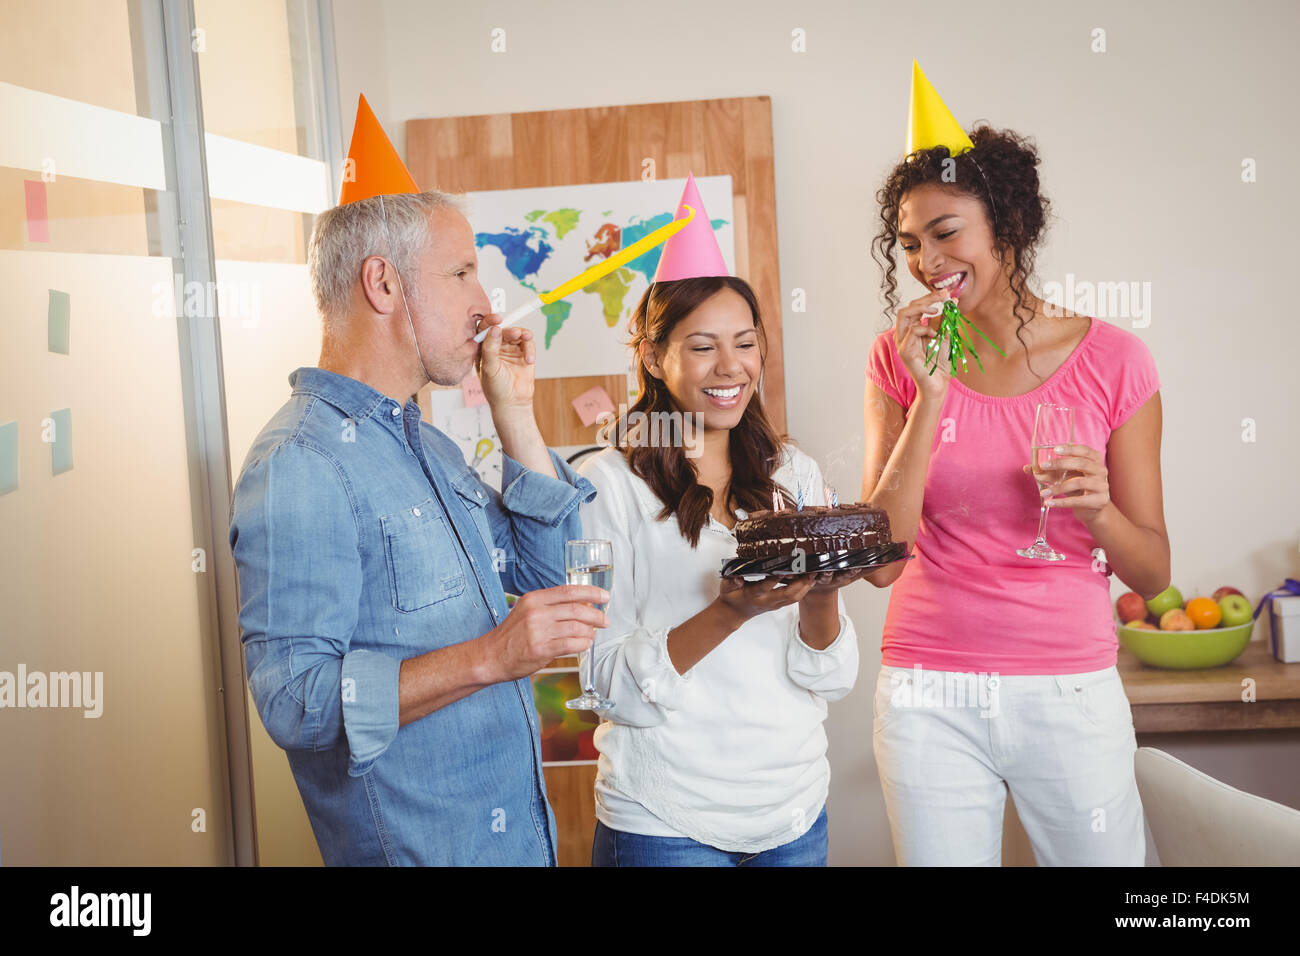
(998, 671)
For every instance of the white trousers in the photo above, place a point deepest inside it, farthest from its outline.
(949, 746)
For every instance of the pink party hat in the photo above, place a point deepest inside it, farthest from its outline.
(692, 253)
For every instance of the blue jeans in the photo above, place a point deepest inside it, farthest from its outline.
(617, 848)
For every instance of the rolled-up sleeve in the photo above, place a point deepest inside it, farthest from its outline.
(531, 518)
(294, 535)
(633, 669)
(631, 665)
(541, 498)
(369, 696)
(831, 672)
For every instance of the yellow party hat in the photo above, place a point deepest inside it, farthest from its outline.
(929, 121)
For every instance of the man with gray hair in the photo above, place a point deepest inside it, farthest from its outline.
(372, 561)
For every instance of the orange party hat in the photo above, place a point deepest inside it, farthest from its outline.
(373, 167)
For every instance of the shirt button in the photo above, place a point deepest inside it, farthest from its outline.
(994, 683)
(1078, 688)
(397, 410)
(416, 512)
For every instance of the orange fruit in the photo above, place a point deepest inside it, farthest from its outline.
(1204, 612)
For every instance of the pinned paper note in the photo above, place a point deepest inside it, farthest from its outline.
(38, 226)
(59, 319)
(472, 389)
(8, 457)
(591, 403)
(60, 439)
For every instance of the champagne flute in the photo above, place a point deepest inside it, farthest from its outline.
(1053, 425)
(589, 562)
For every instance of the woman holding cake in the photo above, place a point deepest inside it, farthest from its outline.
(714, 753)
(1032, 641)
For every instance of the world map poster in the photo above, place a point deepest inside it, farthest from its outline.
(532, 240)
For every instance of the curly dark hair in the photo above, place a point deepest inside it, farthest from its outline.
(1001, 172)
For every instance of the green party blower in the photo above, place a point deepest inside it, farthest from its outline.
(959, 343)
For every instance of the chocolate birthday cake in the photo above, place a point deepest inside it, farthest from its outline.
(816, 530)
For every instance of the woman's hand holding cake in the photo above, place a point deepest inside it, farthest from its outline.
(828, 582)
(816, 594)
(749, 599)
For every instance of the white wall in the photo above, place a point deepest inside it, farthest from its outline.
(1142, 150)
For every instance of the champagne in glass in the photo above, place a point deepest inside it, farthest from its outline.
(589, 562)
(1053, 425)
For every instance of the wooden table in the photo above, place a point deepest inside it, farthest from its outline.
(1211, 699)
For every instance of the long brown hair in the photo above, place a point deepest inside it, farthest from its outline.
(755, 446)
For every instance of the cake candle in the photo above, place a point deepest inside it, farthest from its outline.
(776, 500)
(798, 498)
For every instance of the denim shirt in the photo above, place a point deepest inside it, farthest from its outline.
(362, 539)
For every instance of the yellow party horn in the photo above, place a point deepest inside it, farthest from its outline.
(599, 270)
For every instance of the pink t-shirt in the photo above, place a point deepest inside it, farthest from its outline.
(967, 601)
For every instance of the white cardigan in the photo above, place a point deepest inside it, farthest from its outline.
(733, 752)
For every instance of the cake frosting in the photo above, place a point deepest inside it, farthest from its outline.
(815, 530)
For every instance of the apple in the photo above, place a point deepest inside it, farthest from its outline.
(1142, 625)
(1166, 600)
(1131, 607)
(1176, 619)
(1236, 610)
(1221, 593)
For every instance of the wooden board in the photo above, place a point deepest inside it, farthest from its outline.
(572, 792)
(557, 418)
(610, 144)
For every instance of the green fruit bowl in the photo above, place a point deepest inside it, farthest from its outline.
(1186, 650)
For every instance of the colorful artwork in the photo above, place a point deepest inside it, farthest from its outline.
(566, 734)
(533, 240)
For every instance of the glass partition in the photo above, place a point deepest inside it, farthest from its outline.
(111, 736)
(146, 144)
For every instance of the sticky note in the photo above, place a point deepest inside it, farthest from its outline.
(61, 441)
(591, 403)
(8, 457)
(38, 226)
(472, 389)
(59, 318)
